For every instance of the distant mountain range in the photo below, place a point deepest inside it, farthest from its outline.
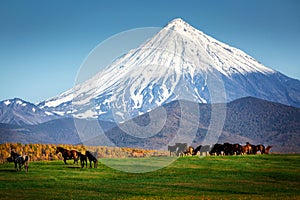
(247, 120)
(20, 112)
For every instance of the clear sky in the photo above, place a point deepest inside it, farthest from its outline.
(43, 43)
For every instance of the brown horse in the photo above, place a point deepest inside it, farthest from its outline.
(189, 151)
(260, 148)
(68, 154)
(247, 149)
(236, 149)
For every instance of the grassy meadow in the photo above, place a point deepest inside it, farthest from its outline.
(222, 177)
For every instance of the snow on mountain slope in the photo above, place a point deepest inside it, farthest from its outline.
(20, 112)
(179, 62)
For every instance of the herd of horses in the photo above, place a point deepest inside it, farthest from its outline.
(180, 149)
(76, 155)
(21, 161)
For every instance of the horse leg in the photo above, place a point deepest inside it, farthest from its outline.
(76, 159)
(65, 160)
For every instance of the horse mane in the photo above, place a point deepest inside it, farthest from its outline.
(14, 154)
(60, 148)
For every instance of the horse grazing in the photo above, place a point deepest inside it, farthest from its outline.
(217, 149)
(236, 149)
(189, 151)
(172, 149)
(19, 160)
(248, 149)
(92, 158)
(83, 159)
(181, 148)
(68, 154)
(228, 148)
(260, 148)
(196, 150)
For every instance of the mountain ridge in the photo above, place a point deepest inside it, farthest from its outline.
(19, 112)
(247, 120)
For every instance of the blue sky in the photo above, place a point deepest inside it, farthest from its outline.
(43, 43)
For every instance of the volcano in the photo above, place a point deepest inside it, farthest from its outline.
(179, 62)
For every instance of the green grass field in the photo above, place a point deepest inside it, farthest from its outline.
(230, 177)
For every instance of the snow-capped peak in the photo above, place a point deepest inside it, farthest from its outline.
(226, 59)
(176, 63)
(178, 23)
(7, 102)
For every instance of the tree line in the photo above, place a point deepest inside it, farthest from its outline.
(43, 152)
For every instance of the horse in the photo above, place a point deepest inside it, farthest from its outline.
(172, 149)
(68, 154)
(217, 149)
(189, 151)
(181, 148)
(236, 149)
(260, 148)
(198, 148)
(248, 149)
(228, 148)
(83, 159)
(92, 158)
(204, 150)
(19, 160)
(268, 149)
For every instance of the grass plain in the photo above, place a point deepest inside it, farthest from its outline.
(222, 177)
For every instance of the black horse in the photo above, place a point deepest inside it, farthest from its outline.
(92, 158)
(197, 149)
(68, 154)
(217, 149)
(83, 159)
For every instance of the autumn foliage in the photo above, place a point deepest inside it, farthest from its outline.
(39, 152)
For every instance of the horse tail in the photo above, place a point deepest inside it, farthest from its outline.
(268, 149)
(26, 162)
